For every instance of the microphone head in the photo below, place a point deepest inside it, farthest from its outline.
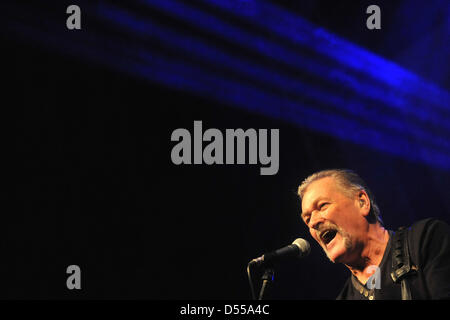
(303, 246)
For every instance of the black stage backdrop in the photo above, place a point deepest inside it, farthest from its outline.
(93, 185)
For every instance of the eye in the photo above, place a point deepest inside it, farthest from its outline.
(306, 219)
(323, 205)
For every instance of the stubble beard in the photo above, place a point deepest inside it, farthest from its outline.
(346, 237)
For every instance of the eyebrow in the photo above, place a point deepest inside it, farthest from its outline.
(302, 215)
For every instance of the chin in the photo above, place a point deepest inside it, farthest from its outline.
(336, 255)
(333, 258)
(340, 248)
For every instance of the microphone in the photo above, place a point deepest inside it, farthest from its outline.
(298, 249)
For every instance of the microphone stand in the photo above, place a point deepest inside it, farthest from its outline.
(267, 278)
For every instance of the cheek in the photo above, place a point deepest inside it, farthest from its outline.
(341, 216)
(349, 222)
(313, 234)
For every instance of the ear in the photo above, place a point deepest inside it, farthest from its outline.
(363, 202)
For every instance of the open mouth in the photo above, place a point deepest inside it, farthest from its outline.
(327, 236)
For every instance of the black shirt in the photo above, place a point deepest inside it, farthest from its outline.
(429, 249)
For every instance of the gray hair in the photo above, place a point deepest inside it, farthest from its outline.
(350, 182)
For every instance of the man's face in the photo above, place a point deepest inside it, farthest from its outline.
(335, 220)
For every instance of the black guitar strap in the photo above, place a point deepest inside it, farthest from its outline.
(401, 262)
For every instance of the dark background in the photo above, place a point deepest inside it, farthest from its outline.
(93, 183)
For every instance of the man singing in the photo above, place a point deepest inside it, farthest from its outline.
(343, 217)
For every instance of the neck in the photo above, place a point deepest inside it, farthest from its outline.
(373, 248)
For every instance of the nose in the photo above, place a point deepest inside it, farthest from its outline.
(315, 220)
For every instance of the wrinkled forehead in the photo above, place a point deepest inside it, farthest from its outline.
(322, 188)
